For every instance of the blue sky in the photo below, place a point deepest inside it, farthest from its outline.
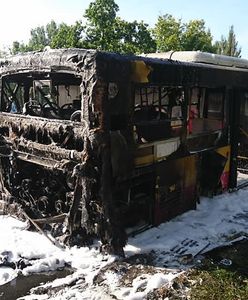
(19, 16)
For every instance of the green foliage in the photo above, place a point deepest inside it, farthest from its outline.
(168, 33)
(67, 36)
(106, 31)
(100, 27)
(51, 31)
(132, 37)
(53, 35)
(38, 38)
(196, 37)
(142, 39)
(172, 34)
(18, 47)
(228, 46)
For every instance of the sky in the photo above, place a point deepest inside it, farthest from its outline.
(19, 16)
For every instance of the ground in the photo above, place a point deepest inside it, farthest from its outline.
(164, 262)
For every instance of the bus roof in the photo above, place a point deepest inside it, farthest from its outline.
(202, 58)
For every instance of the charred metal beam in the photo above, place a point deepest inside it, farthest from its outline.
(21, 122)
(52, 152)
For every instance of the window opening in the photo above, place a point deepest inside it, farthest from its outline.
(206, 110)
(158, 112)
(44, 95)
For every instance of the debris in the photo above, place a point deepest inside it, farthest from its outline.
(54, 219)
(53, 241)
(226, 262)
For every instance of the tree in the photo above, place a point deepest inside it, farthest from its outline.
(53, 35)
(172, 34)
(196, 37)
(101, 23)
(133, 37)
(67, 36)
(228, 46)
(51, 31)
(18, 47)
(38, 38)
(106, 31)
(168, 33)
(142, 38)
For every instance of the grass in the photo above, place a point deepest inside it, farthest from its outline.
(218, 284)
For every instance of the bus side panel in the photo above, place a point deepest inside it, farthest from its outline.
(176, 188)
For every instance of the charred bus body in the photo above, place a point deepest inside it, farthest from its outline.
(117, 141)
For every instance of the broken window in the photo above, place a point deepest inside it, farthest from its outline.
(53, 96)
(13, 94)
(205, 110)
(158, 112)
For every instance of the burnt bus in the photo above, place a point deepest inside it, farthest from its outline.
(118, 142)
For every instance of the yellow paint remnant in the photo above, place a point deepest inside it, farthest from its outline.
(225, 151)
(140, 71)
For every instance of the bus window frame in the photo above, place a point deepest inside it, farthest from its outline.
(205, 124)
